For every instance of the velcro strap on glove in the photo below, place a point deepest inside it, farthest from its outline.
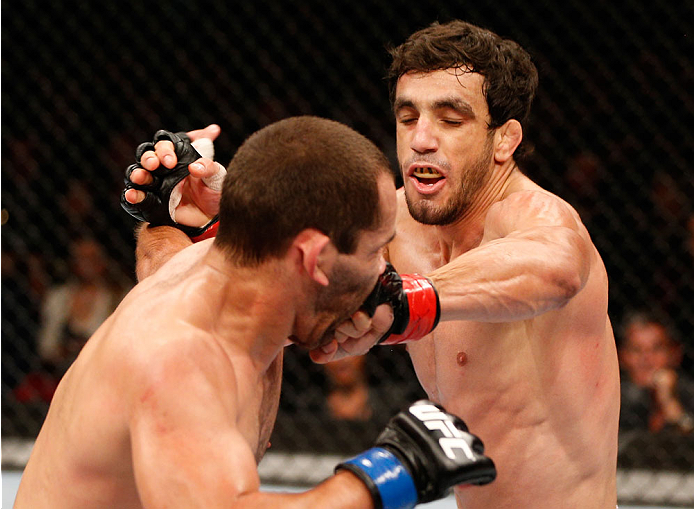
(415, 303)
(424, 310)
(155, 208)
(388, 480)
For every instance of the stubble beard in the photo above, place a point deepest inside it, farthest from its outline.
(341, 299)
(424, 210)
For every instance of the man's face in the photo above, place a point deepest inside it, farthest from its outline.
(354, 275)
(445, 149)
(647, 349)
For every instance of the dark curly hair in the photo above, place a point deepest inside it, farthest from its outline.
(510, 77)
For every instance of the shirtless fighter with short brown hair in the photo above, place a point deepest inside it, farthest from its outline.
(172, 401)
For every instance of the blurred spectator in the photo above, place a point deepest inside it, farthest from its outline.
(70, 313)
(672, 261)
(77, 206)
(656, 394)
(349, 396)
(584, 184)
(24, 282)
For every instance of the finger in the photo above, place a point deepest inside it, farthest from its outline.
(324, 354)
(362, 321)
(134, 196)
(383, 318)
(164, 150)
(141, 177)
(149, 161)
(361, 345)
(347, 328)
(211, 132)
(204, 168)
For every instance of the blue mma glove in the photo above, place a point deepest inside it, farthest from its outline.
(422, 453)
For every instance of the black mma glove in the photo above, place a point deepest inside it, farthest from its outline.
(422, 453)
(415, 303)
(154, 209)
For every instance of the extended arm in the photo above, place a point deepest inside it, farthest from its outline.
(533, 259)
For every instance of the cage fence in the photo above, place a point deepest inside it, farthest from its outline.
(85, 82)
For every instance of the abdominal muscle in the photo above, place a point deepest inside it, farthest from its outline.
(518, 387)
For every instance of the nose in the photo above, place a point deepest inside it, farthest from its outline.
(424, 138)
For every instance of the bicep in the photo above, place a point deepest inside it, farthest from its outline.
(538, 239)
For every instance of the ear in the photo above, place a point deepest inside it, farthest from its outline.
(316, 253)
(507, 139)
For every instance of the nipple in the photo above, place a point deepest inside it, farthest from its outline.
(461, 359)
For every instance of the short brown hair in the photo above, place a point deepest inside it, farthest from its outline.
(510, 77)
(298, 173)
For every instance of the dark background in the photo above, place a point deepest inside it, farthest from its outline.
(83, 83)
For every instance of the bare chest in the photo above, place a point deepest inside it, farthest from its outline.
(260, 404)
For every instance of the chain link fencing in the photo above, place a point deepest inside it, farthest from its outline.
(85, 82)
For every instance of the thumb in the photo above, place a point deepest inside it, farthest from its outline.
(211, 132)
(205, 168)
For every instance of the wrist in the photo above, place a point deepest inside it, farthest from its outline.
(209, 232)
(424, 310)
(389, 482)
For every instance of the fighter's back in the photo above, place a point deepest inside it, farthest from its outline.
(82, 456)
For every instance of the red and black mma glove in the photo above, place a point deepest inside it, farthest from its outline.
(155, 209)
(422, 453)
(415, 303)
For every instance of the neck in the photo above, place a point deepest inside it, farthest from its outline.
(467, 231)
(249, 310)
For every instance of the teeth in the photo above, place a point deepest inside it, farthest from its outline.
(427, 173)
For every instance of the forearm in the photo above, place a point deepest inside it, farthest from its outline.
(155, 246)
(509, 279)
(341, 491)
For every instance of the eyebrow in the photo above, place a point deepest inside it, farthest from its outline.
(455, 104)
(452, 103)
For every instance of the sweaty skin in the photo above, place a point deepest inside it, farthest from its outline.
(525, 351)
(140, 382)
(172, 402)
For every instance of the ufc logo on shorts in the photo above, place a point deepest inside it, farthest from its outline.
(453, 438)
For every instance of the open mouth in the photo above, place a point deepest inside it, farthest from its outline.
(427, 175)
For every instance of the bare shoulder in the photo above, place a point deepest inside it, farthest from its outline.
(183, 260)
(186, 367)
(531, 207)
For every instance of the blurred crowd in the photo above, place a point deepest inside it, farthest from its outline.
(55, 296)
(70, 131)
